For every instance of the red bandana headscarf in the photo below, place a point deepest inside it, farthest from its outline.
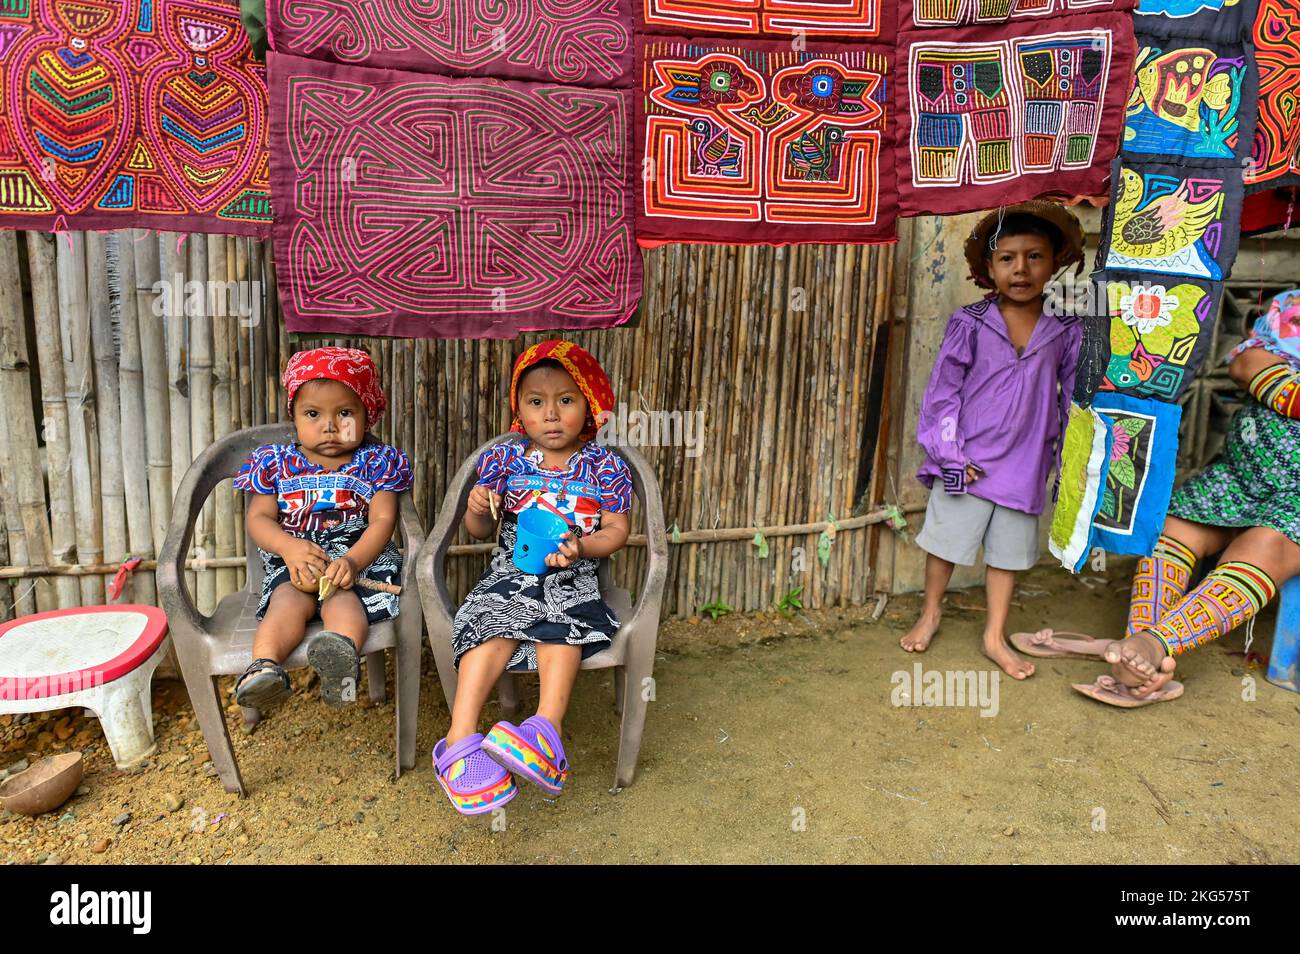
(345, 365)
(587, 374)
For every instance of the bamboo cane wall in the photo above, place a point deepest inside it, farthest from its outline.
(111, 388)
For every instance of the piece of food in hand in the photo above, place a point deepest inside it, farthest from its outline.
(305, 586)
(325, 588)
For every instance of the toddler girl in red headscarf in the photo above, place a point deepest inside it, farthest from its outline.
(525, 622)
(323, 508)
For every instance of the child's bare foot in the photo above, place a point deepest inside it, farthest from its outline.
(996, 648)
(1140, 662)
(918, 637)
(454, 736)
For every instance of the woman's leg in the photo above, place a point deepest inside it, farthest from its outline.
(284, 623)
(557, 667)
(1249, 573)
(1162, 578)
(479, 670)
(937, 574)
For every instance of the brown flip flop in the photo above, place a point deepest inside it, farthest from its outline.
(1049, 644)
(1108, 690)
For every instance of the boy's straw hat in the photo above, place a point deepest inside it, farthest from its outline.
(1059, 216)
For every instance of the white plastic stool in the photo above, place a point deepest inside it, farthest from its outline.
(100, 658)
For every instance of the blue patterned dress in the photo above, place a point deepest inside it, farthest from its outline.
(330, 508)
(559, 606)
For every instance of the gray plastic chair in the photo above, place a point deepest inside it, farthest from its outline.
(632, 651)
(222, 644)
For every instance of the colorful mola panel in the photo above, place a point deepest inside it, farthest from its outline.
(1173, 220)
(1275, 158)
(753, 142)
(1085, 461)
(990, 116)
(942, 13)
(424, 206)
(857, 19)
(1222, 20)
(586, 42)
(1140, 479)
(115, 114)
(1191, 99)
(1160, 331)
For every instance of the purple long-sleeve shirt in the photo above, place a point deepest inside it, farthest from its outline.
(985, 405)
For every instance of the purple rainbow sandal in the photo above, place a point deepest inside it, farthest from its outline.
(532, 750)
(474, 783)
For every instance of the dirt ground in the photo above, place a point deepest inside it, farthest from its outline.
(769, 740)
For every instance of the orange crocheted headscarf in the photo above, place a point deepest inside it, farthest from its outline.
(586, 372)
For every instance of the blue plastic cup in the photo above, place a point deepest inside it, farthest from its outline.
(537, 533)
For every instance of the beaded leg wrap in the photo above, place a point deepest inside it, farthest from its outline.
(1159, 583)
(1234, 593)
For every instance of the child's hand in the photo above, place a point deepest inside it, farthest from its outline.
(484, 502)
(305, 560)
(341, 573)
(570, 552)
(973, 473)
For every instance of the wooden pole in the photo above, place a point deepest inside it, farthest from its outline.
(112, 492)
(78, 379)
(151, 331)
(24, 601)
(7, 602)
(134, 417)
(24, 491)
(200, 420)
(222, 328)
(54, 408)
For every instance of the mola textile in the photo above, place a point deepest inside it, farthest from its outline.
(1198, 19)
(749, 141)
(1192, 100)
(1270, 210)
(1173, 219)
(945, 13)
(131, 113)
(424, 206)
(1140, 478)
(1275, 159)
(586, 42)
(860, 20)
(1085, 462)
(991, 116)
(1160, 331)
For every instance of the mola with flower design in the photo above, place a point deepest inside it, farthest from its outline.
(1159, 332)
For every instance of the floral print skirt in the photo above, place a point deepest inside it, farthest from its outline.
(561, 606)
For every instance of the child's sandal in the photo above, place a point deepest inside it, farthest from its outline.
(336, 661)
(531, 749)
(263, 684)
(473, 782)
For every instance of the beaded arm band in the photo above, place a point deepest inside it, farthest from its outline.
(1278, 387)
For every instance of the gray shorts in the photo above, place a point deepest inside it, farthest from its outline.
(957, 524)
